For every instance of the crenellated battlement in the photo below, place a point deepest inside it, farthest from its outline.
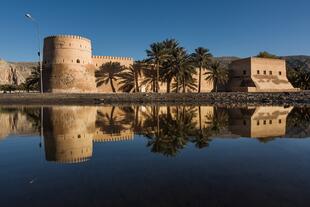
(68, 36)
(112, 58)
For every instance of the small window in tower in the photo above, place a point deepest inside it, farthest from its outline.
(265, 72)
(80, 45)
(280, 73)
(69, 44)
(63, 60)
(270, 121)
(265, 122)
(257, 123)
(270, 72)
(244, 72)
(280, 121)
(257, 72)
(78, 61)
(71, 60)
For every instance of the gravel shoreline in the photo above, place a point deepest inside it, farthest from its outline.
(220, 98)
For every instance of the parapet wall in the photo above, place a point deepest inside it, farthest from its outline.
(99, 60)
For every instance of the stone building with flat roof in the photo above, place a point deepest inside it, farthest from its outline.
(255, 74)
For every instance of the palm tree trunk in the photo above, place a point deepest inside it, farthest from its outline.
(112, 86)
(199, 84)
(177, 85)
(157, 78)
(154, 85)
(157, 115)
(136, 122)
(215, 85)
(184, 87)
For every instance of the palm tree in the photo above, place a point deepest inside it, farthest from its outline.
(168, 70)
(201, 58)
(130, 77)
(156, 56)
(33, 81)
(149, 80)
(108, 72)
(183, 69)
(217, 74)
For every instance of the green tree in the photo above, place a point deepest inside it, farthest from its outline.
(299, 77)
(217, 74)
(33, 81)
(149, 78)
(182, 68)
(130, 77)
(201, 58)
(168, 71)
(265, 54)
(7, 88)
(156, 56)
(108, 72)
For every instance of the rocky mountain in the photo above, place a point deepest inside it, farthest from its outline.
(17, 72)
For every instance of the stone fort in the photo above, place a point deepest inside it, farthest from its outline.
(69, 66)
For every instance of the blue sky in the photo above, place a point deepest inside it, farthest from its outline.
(126, 27)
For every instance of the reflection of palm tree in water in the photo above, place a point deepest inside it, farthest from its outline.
(213, 125)
(109, 123)
(203, 134)
(219, 121)
(171, 133)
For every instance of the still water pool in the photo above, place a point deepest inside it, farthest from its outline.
(154, 156)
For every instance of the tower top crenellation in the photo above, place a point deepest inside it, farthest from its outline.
(68, 36)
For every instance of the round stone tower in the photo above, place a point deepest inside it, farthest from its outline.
(67, 65)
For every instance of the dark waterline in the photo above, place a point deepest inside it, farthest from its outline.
(150, 156)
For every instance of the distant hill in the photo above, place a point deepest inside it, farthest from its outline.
(298, 61)
(17, 72)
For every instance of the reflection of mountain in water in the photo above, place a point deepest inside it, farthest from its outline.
(70, 131)
(18, 122)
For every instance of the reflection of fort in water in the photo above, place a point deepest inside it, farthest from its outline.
(259, 122)
(70, 131)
